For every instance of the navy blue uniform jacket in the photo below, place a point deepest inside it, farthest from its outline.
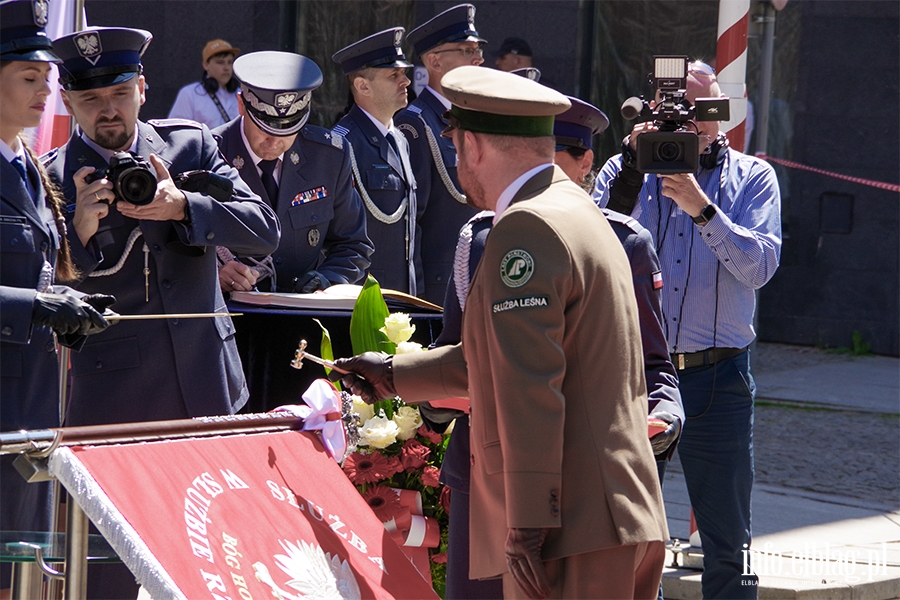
(325, 234)
(29, 371)
(440, 215)
(171, 368)
(388, 183)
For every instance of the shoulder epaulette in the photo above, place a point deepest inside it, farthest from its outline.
(340, 130)
(157, 123)
(320, 135)
(414, 109)
(49, 157)
(626, 220)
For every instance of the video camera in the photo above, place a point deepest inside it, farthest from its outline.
(674, 148)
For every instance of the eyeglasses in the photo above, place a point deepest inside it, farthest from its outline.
(467, 52)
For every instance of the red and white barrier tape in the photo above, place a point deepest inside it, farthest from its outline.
(891, 187)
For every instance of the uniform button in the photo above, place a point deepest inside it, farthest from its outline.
(98, 364)
(678, 262)
(315, 218)
(44, 246)
(174, 321)
(278, 260)
(210, 235)
(50, 347)
(554, 512)
(7, 331)
(554, 493)
(166, 283)
(14, 242)
(440, 278)
(156, 247)
(680, 235)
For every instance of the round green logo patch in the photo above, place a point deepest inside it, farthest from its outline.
(516, 268)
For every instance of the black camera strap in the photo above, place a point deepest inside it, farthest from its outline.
(219, 105)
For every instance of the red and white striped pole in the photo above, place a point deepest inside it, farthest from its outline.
(731, 66)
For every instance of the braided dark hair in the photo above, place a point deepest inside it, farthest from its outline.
(66, 271)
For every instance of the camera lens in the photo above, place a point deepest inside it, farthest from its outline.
(668, 151)
(137, 185)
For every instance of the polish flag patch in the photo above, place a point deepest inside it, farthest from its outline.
(657, 280)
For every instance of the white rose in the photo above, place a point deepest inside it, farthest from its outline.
(378, 432)
(408, 347)
(365, 411)
(408, 420)
(397, 327)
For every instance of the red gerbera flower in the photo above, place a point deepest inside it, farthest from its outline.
(384, 502)
(369, 468)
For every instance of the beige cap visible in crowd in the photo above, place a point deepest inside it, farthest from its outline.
(491, 101)
(214, 47)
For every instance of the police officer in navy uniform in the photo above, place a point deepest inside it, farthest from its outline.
(444, 43)
(304, 173)
(33, 256)
(155, 257)
(375, 68)
(574, 130)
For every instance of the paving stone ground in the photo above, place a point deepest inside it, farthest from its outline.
(841, 452)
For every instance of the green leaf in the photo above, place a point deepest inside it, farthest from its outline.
(327, 350)
(368, 317)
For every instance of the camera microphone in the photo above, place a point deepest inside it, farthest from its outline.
(631, 108)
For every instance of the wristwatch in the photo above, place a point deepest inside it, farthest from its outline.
(706, 215)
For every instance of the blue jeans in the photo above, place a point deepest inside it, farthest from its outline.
(716, 451)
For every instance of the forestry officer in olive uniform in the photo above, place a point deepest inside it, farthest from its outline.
(551, 361)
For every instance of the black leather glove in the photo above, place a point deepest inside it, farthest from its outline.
(523, 557)
(68, 315)
(311, 282)
(371, 376)
(664, 439)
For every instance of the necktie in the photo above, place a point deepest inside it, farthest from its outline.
(393, 143)
(20, 167)
(268, 179)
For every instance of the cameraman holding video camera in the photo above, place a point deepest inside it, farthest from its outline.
(716, 225)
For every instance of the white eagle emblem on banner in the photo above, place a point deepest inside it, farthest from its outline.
(313, 573)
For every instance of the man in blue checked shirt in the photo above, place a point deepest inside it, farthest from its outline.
(718, 236)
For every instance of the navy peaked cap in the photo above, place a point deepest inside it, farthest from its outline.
(276, 89)
(22, 35)
(579, 124)
(455, 24)
(380, 50)
(100, 56)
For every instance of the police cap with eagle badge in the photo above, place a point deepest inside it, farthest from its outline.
(380, 51)
(276, 89)
(100, 56)
(456, 24)
(22, 35)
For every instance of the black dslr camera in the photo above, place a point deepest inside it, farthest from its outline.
(674, 148)
(133, 178)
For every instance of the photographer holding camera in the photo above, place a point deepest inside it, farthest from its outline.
(716, 225)
(135, 233)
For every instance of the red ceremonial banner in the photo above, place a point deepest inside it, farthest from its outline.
(241, 516)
